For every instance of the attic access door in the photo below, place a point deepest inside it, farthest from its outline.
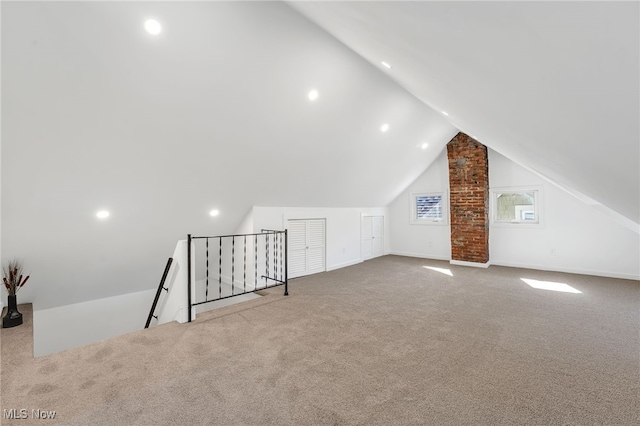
(372, 232)
(306, 246)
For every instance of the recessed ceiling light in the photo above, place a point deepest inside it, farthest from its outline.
(386, 65)
(214, 213)
(152, 26)
(102, 214)
(313, 95)
(384, 127)
(445, 113)
(424, 145)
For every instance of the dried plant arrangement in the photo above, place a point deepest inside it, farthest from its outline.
(13, 278)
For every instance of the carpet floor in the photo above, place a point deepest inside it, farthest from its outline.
(390, 341)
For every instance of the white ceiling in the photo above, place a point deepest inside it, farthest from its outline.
(223, 89)
(213, 113)
(554, 86)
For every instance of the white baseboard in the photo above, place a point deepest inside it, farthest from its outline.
(420, 255)
(606, 274)
(472, 264)
(343, 265)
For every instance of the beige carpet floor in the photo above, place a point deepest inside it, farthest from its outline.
(385, 342)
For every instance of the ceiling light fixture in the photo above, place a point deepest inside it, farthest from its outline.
(445, 113)
(386, 65)
(424, 145)
(384, 127)
(214, 213)
(102, 214)
(152, 26)
(313, 95)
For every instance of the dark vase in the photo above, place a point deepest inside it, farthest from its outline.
(13, 317)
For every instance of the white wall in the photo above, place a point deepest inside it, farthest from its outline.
(173, 304)
(78, 324)
(430, 240)
(246, 226)
(343, 232)
(156, 132)
(573, 236)
(69, 326)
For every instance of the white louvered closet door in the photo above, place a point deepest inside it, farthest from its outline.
(297, 235)
(306, 247)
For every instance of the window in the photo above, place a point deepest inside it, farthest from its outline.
(428, 208)
(513, 205)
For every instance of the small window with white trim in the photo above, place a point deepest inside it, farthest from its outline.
(513, 205)
(428, 208)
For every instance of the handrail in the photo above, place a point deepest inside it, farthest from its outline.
(235, 235)
(160, 288)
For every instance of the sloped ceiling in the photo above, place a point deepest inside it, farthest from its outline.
(554, 86)
(212, 113)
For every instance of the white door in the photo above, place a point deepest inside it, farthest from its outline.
(377, 232)
(306, 246)
(372, 236)
(297, 237)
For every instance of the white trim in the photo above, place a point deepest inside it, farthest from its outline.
(537, 203)
(526, 266)
(419, 255)
(384, 227)
(344, 265)
(296, 217)
(227, 280)
(286, 217)
(473, 264)
(568, 270)
(438, 222)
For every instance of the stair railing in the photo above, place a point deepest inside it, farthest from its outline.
(265, 251)
(160, 288)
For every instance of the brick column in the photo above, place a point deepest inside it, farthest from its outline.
(469, 199)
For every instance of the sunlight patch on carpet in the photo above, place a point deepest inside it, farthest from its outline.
(550, 285)
(441, 270)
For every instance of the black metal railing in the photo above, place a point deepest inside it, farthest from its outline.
(232, 265)
(160, 288)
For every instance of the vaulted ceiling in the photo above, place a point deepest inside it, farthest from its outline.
(552, 85)
(214, 113)
(218, 101)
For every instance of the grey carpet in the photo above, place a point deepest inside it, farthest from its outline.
(385, 342)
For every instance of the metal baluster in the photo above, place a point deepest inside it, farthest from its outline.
(245, 265)
(266, 273)
(220, 271)
(275, 256)
(189, 276)
(233, 264)
(206, 292)
(255, 268)
(281, 259)
(286, 259)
